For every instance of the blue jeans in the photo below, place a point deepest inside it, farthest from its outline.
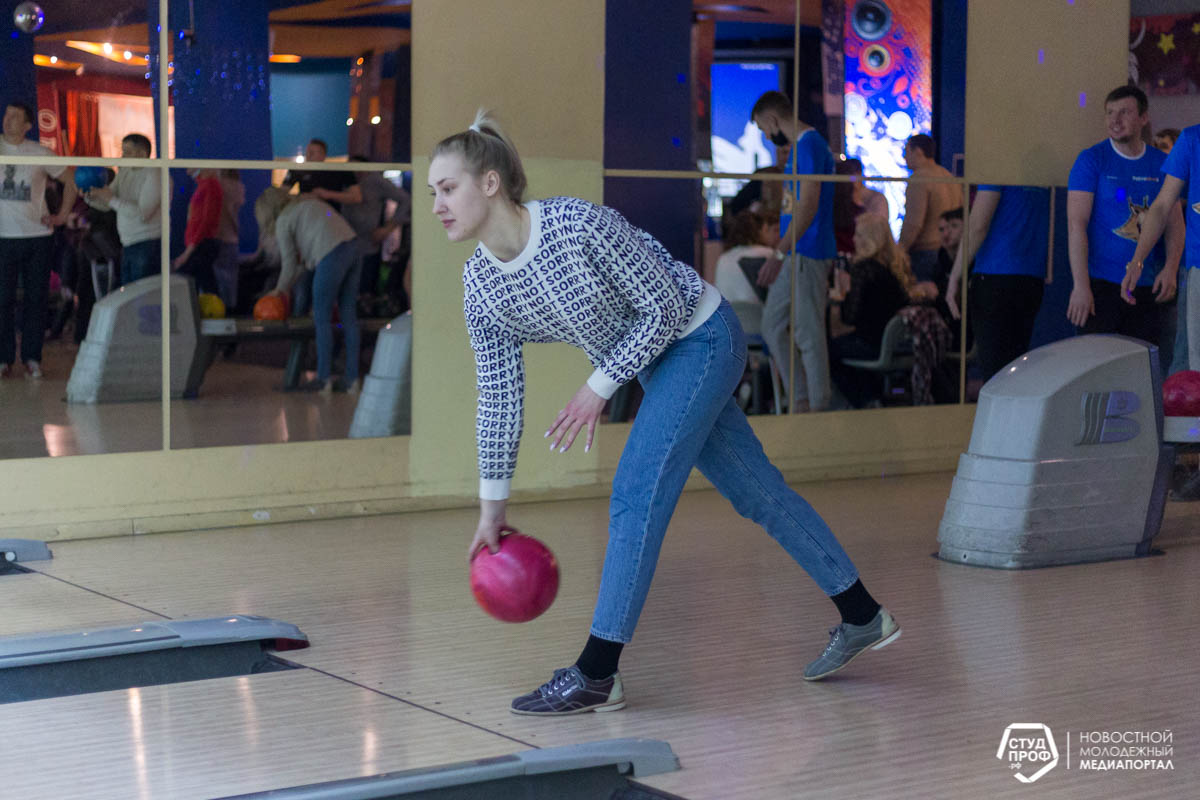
(688, 418)
(28, 258)
(336, 278)
(140, 260)
(1179, 354)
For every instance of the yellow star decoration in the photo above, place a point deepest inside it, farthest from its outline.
(1166, 42)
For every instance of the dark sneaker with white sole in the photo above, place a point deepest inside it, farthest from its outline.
(847, 642)
(571, 692)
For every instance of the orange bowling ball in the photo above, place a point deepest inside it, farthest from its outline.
(271, 307)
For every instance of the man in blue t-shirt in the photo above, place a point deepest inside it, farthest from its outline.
(1108, 194)
(1182, 173)
(806, 244)
(1009, 237)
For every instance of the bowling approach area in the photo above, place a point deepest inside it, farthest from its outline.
(405, 672)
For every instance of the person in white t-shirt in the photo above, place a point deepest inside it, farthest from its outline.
(749, 237)
(136, 195)
(26, 237)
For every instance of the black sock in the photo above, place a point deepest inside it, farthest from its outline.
(599, 658)
(856, 605)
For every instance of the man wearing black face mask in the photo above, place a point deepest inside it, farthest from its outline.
(806, 247)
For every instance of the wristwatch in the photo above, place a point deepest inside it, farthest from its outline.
(780, 255)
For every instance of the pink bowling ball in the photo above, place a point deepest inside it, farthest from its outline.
(519, 582)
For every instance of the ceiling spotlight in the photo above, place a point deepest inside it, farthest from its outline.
(375, 120)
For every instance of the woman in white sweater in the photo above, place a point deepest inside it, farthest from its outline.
(309, 234)
(565, 270)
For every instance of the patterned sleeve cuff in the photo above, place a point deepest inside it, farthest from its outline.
(491, 489)
(602, 385)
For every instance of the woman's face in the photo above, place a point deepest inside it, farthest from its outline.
(459, 201)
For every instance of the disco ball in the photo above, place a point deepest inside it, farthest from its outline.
(29, 17)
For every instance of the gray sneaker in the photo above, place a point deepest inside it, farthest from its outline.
(570, 692)
(847, 641)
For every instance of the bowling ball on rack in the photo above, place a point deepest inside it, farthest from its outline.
(518, 582)
(1181, 394)
(211, 306)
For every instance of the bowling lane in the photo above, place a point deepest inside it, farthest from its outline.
(728, 626)
(32, 603)
(221, 737)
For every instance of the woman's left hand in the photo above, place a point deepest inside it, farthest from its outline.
(584, 409)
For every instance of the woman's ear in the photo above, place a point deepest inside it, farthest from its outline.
(491, 182)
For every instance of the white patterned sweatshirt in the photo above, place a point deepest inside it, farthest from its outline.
(588, 278)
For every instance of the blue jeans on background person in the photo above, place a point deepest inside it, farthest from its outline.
(28, 258)
(302, 293)
(140, 260)
(336, 280)
(1179, 354)
(225, 268)
(688, 418)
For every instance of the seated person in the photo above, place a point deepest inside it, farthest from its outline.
(865, 298)
(950, 229)
(748, 244)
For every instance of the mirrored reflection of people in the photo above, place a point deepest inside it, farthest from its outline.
(748, 245)
(924, 202)
(310, 236)
(233, 197)
(136, 195)
(808, 209)
(26, 240)
(1109, 191)
(852, 200)
(367, 220)
(950, 231)
(866, 296)
(333, 186)
(1009, 237)
(201, 244)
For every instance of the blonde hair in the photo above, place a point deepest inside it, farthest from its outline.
(267, 208)
(483, 146)
(876, 229)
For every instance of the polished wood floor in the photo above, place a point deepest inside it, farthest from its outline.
(404, 671)
(239, 404)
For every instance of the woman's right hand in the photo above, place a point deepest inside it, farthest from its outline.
(492, 525)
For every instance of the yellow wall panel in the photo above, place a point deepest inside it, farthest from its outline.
(1025, 123)
(538, 63)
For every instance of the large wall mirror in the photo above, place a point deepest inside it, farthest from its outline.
(304, 102)
(860, 77)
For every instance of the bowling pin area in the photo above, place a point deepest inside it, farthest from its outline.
(405, 672)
